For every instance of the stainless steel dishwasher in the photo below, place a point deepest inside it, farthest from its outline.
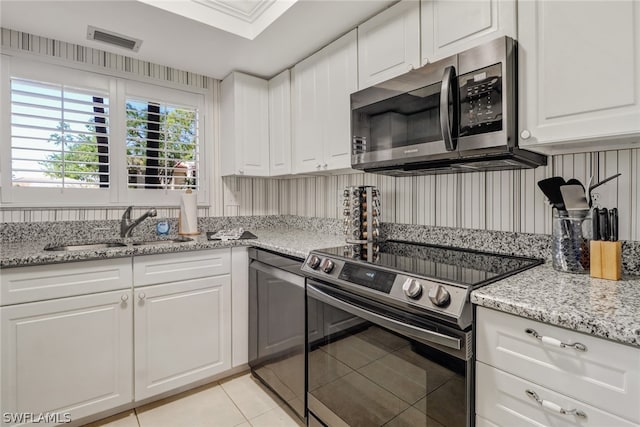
(277, 325)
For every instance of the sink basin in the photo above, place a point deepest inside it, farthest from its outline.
(163, 241)
(86, 247)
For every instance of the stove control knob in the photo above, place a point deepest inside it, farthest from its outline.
(412, 288)
(313, 262)
(327, 265)
(439, 296)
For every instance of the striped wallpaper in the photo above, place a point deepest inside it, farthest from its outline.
(505, 201)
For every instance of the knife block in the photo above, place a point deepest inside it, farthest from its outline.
(606, 260)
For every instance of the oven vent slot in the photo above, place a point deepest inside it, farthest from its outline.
(114, 39)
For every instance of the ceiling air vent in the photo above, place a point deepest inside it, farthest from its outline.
(112, 38)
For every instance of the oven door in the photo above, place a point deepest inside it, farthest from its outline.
(384, 366)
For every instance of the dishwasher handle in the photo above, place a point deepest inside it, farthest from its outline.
(278, 273)
(422, 335)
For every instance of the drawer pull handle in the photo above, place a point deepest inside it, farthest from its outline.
(555, 342)
(554, 406)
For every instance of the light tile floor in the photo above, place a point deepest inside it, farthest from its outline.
(238, 401)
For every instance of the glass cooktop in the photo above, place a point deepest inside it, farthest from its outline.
(460, 266)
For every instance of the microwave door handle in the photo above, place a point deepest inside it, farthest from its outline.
(447, 125)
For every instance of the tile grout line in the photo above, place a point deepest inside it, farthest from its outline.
(234, 404)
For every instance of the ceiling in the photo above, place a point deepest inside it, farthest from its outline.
(171, 39)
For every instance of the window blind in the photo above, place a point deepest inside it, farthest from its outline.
(59, 135)
(162, 145)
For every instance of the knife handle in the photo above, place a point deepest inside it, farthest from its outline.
(595, 221)
(603, 215)
(613, 224)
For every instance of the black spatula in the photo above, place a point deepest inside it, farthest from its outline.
(551, 188)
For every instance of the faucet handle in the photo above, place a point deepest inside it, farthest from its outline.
(127, 212)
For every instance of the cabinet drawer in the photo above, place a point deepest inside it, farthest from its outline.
(502, 399)
(43, 282)
(606, 375)
(154, 269)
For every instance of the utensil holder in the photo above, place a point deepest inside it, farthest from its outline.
(570, 243)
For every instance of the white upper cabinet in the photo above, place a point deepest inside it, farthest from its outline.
(389, 43)
(322, 85)
(340, 60)
(280, 124)
(579, 79)
(449, 27)
(244, 126)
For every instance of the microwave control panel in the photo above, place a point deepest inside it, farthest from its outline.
(481, 101)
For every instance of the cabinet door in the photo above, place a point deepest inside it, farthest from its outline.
(389, 43)
(578, 65)
(244, 126)
(281, 315)
(507, 400)
(449, 27)
(280, 124)
(308, 127)
(67, 355)
(182, 333)
(341, 64)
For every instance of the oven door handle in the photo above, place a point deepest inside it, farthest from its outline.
(424, 336)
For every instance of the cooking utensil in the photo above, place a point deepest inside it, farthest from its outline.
(603, 215)
(598, 184)
(595, 222)
(587, 192)
(613, 224)
(574, 181)
(550, 187)
(574, 198)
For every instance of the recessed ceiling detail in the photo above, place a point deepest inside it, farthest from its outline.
(245, 18)
(247, 10)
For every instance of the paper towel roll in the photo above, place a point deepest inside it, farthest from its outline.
(188, 221)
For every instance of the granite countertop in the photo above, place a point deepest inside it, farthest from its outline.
(602, 308)
(288, 241)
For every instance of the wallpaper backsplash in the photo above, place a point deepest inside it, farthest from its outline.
(502, 201)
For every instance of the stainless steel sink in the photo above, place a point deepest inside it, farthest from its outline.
(86, 246)
(163, 241)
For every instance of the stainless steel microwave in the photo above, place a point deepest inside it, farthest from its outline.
(454, 115)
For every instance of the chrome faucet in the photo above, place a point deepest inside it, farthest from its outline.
(127, 226)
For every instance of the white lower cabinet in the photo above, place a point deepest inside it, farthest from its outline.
(507, 400)
(182, 333)
(82, 355)
(526, 371)
(68, 355)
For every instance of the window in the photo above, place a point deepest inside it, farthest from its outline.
(59, 136)
(162, 146)
(78, 138)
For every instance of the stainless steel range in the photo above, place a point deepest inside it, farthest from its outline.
(389, 332)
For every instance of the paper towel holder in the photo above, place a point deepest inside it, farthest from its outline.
(193, 214)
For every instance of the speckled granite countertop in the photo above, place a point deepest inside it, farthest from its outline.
(602, 308)
(288, 241)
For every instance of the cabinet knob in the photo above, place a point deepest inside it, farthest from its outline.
(124, 298)
(525, 134)
(141, 296)
(325, 166)
(241, 171)
(318, 166)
